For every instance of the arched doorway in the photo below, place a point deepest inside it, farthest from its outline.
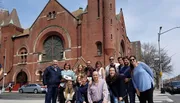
(21, 78)
(40, 74)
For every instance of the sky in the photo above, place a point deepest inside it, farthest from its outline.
(142, 19)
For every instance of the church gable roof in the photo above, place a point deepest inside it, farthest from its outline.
(50, 5)
(78, 12)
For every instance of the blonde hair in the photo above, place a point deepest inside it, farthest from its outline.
(68, 90)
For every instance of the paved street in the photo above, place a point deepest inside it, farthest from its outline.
(21, 98)
(160, 98)
(39, 98)
(175, 98)
(24, 96)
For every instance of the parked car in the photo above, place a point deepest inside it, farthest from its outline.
(32, 88)
(173, 87)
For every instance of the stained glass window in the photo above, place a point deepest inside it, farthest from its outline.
(53, 47)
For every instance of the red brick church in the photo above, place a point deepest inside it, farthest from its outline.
(94, 33)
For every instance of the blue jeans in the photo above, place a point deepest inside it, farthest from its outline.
(116, 100)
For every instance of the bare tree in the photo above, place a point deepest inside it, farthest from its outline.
(149, 54)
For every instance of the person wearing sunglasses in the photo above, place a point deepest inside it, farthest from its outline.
(142, 78)
(127, 78)
(111, 64)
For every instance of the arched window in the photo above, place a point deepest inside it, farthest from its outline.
(122, 48)
(23, 54)
(40, 75)
(98, 6)
(53, 47)
(53, 15)
(110, 6)
(49, 15)
(99, 48)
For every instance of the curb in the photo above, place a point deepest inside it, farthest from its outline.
(11, 92)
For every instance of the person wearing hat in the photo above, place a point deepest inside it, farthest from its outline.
(51, 79)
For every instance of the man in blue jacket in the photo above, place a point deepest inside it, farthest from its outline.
(126, 72)
(51, 79)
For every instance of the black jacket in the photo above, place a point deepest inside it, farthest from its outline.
(52, 77)
(117, 86)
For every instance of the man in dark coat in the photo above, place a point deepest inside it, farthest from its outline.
(127, 75)
(89, 69)
(51, 79)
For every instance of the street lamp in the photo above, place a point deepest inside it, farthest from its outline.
(160, 66)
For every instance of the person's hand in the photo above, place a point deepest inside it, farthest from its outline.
(62, 80)
(126, 80)
(137, 92)
(120, 98)
(45, 86)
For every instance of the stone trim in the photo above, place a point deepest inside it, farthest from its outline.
(18, 71)
(49, 27)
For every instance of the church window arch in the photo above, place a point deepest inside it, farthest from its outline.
(53, 48)
(99, 48)
(23, 55)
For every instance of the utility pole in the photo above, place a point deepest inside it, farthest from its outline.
(160, 62)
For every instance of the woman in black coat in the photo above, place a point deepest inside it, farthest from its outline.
(116, 85)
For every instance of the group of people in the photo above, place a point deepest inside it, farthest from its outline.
(116, 83)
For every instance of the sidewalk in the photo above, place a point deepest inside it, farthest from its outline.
(158, 93)
(11, 91)
(158, 98)
(8, 92)
(21, 101)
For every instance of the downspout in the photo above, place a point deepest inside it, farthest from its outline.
(103, 34)
(77, 32)
(78, 39)
(13, 38)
